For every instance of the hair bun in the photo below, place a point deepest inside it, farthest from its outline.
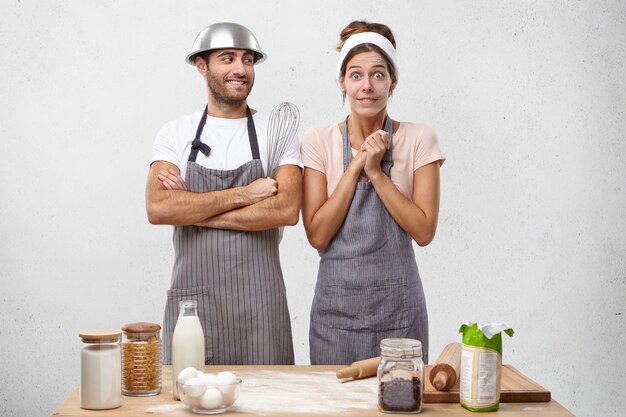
(359, 26)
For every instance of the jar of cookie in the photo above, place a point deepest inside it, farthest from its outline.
(400, 376)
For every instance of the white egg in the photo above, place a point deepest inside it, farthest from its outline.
(211, 399)
(194, 387)
(191, 402)
(186, 374)
(226, 377)
(226, 382)
(210, 380)
(229, 398)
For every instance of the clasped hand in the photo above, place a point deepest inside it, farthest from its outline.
(371, 153)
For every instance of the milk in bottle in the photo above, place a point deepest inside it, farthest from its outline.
(187, 341)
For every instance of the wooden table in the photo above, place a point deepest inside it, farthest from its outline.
(295, 391)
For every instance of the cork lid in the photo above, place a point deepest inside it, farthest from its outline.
(100, 336)
(141, 327)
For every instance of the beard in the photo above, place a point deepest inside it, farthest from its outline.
(221, 93)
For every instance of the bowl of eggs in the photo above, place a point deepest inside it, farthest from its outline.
(207, 393)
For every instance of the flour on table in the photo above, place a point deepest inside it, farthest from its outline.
(315, 392)
(165, 408)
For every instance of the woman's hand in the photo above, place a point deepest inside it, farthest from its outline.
(375, 146)
(358, 162)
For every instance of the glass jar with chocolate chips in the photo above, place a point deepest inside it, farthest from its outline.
(141, 359)
(400, 376)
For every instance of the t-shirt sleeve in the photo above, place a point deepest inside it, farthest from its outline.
(291, 153)
(312, 151)
(165, 147)
(427, 149)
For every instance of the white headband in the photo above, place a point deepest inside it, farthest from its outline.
(368, 37)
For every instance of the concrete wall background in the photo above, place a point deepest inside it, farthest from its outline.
(528, 100)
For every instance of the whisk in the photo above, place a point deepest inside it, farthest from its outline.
(281, 131)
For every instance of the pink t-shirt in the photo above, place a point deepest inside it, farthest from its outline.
(414, 145)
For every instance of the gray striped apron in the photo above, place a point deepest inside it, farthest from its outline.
(234, 276)
(368, 286)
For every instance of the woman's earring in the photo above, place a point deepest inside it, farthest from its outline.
(343, 94)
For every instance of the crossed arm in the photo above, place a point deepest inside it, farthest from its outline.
(323, 216)
(263, 204)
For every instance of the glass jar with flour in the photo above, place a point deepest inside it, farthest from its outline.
(100, 370)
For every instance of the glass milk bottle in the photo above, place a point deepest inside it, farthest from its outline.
(100, 370)
(187, 341)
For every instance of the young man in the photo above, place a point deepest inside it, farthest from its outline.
(208, 177)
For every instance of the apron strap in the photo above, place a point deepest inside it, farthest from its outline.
(254, 143)
(387, 161)
(198, 145)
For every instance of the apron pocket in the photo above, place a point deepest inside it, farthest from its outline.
(202, 297)
(376, 307)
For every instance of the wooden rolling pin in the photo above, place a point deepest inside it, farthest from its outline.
(446, 369)
(360, 369)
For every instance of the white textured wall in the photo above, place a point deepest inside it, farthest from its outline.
(528, 99)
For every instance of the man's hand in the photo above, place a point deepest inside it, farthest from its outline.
(172, 180)
(262, 188)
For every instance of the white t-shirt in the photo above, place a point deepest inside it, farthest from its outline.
(227, 138)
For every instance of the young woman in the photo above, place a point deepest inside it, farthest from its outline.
(371, 186)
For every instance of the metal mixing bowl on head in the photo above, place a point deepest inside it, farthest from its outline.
(225, 35)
